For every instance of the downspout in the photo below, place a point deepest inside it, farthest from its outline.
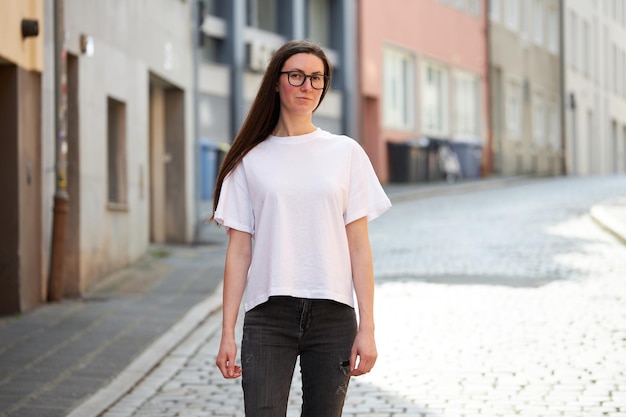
(61, 197)
(488, 167)
(562, 83)
(196, 33)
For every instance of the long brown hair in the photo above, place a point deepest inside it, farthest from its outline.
(263, 115)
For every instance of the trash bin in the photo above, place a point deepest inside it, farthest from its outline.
(407, 161)
(469, 151)
(208, 168)
(431, 145)
(211, 155)
(222, 150)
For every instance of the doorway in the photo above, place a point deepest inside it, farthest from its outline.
(167, 162)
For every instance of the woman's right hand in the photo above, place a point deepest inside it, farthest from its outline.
(238, 256)
(226, 358)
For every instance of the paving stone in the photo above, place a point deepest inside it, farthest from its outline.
(498, 303)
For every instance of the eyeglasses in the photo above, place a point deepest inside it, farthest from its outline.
(297, 78)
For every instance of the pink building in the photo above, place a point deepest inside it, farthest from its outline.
(423, 72)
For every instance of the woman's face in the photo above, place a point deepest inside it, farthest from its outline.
(301, 100)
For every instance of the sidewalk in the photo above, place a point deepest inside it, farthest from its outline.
(78, 357)
(55, 357)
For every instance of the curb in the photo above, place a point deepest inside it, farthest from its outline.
(149, 358)
(607, 216)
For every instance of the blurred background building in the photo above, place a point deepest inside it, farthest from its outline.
(154, 94)
(594, 95)
(525, 74)
(423, 74)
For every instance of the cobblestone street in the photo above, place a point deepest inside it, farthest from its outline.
(504, 302)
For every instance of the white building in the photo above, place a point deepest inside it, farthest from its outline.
(595, 86)
(526, 90)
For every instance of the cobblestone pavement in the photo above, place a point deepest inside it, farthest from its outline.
(497, 303)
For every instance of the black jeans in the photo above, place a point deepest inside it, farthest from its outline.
(275, 333)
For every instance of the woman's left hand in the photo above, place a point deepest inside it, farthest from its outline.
(364, 353)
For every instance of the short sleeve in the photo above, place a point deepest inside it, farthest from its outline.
(234, 208)
(366, 197)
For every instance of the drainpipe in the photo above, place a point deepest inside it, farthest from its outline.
(197, 17)
(563, 96)
(61, 198)
(237, 58)
(488, 167)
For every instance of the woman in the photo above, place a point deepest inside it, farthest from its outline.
(304, 196)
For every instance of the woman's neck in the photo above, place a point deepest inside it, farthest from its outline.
(293, 127)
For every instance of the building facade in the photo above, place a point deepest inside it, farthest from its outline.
(22, 267)
(525, 84)
(129, 139)
(156, 94)
(130, 132)
(595, 86)
(423, 72)
(152, 94)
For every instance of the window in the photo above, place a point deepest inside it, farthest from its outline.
(495, 10)
(212, 31)
(512, 14)
(466, 104)
(460, 4)
(525, 16)
(623, 72)
(573, 41)
(474, 7)
(620, 70)
(514, 110)
(555, 131)
(210, 7)
(585, 48)
(553, 31)
(538, 22)
(539, 122)
(595, 54)
(399, 89)
(435, 99)
(262, 14)
(319, 21)
(615, 68)
(607, 59)
(116, 152)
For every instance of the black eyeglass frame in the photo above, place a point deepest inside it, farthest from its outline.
(304, 77)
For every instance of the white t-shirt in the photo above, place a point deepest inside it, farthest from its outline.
(295, 195)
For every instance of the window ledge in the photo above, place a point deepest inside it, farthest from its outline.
(118, 207)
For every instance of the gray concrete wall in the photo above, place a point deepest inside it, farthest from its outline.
(132, 41)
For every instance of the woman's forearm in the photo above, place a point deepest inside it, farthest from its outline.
(238, 256)
(362, 271)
